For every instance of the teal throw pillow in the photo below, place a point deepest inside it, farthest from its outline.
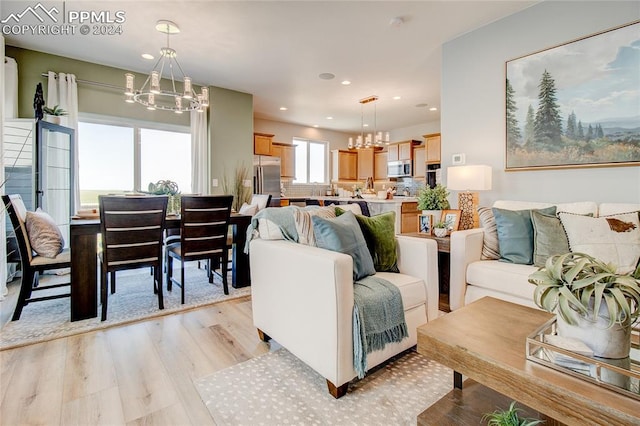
(515, 234)
(549, 237)
(379, 233)
(343, 235)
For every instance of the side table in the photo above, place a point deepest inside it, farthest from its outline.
(443, 266)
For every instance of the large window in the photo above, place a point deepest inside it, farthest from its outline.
(311, 161)
(117, 156)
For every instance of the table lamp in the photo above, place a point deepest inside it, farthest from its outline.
(468, 179)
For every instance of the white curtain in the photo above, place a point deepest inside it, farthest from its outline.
(199, 153)
(10, 88)
(63, 91)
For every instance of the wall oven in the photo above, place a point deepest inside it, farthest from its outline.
(399, 168)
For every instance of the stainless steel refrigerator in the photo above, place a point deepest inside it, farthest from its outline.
(266, 175)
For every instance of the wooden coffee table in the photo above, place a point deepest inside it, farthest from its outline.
(485, 341)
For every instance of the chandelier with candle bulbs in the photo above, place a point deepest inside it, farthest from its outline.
(169, 98)
(375, 138)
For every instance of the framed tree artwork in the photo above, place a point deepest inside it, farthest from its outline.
(577, 104)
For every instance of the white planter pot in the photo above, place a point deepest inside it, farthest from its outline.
(614, 342)
(55, 119)
(440, 232)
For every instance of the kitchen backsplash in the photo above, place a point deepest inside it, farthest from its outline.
(310, 190)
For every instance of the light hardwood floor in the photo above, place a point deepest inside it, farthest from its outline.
(141, 373)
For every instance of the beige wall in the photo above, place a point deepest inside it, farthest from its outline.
(231, 134)
(473, 101)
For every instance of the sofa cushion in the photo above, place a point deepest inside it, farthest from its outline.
(515, 234)
(580, 207)
(509, 278)
(352, 207)
(490, 245)
(44, 235)
(607, 209)
(379, 233)
(343, 234)
(549, 237)
(612, 239)
(304, 225)
(412, 289)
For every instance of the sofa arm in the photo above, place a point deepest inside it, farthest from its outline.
(418, 257)
(466, 247)
(302, 297)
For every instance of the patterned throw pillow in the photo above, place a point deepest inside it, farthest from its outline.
(44, 235)
(490, 245)
(304, 224)
(612, 239)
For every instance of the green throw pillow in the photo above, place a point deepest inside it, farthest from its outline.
(379, 233)
(343, 235)
(549, 237)
(515, 234)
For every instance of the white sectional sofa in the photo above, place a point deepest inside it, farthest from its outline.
(303, 298)
(472, 278)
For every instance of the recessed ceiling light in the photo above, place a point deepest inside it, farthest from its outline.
(147, 56)
(346, 82)
(315, 125)
(422, 105)
(365, 125)
(397, 21)
(329, 118)
(327, 76)
(395, 98)
(433, 109)
(283, 108)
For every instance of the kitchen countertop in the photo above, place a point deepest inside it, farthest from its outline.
(395, 200)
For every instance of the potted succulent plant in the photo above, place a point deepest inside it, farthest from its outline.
(593, 303)
(170, 188)
(54, 114)
(440, 229)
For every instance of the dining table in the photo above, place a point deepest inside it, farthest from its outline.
(83, 243)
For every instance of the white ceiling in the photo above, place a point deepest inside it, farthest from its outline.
(275, 50)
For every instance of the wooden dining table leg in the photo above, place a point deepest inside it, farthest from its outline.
(84, 272)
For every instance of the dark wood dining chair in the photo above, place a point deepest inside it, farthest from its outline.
(132, 231)
(32, 265)
(203, 236)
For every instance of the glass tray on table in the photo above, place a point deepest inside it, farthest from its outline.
(619, 375)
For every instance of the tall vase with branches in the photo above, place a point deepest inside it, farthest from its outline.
(235, 186)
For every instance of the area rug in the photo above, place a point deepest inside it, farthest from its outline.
(134, 300)
(277, 389)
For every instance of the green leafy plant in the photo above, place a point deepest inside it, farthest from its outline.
(509, 417)
(241, 194)
(576, 284)
(56, 110)
(433, 198)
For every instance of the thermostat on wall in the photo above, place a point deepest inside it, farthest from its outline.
(457, 159)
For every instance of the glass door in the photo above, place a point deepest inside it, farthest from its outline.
(54, 173)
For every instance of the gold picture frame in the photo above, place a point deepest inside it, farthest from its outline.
(425, 223)
(452, 217)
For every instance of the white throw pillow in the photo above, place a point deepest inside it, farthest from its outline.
(248, 209)
(304, 224)
(612, 239)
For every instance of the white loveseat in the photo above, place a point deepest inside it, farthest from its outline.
(302, 297)
(472, 278)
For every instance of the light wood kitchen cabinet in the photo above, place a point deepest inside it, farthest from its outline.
(419, 165)
(392, 152)
(409, 217)
(287, 154)
(262, 143)
(380, 160)
(432, 143)
(365, 163)
(405, 150)
(345, 165)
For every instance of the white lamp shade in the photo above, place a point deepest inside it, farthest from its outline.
(469, 178)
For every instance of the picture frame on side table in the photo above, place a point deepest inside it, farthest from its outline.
(555, 114)
(452, 218)
(425, 223)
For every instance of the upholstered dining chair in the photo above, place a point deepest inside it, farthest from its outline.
(132, 231)
(32, 265)
(203, 236)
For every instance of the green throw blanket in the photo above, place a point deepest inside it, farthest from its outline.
(378, 318)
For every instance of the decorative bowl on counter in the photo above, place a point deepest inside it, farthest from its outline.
(365, 195)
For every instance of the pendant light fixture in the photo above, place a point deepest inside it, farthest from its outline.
(153, 95)
(375, 138)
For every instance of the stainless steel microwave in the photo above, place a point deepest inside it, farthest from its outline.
(399, 168)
